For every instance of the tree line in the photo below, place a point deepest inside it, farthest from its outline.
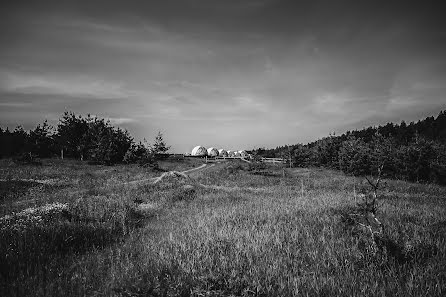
(86, 138)
(413, 152)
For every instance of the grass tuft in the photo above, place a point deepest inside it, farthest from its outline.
(222, 232)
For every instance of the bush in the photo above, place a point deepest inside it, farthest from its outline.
(256, 166)
(26, 159)
(234, 168)
(438, 174)
(354, 157)
(140, 154)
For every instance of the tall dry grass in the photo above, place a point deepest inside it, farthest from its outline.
(275, 234)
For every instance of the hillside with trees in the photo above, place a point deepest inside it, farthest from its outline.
(85, 138)
(413, 152)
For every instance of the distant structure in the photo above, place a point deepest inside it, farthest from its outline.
(199, 151)
(243, 154)
(231, 153)
(212, 152)
(222, 153)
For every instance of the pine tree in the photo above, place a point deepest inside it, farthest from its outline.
(160, 147)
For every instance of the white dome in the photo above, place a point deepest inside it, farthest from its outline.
(243, 153)
(212, 152)
(199, 151)
(222, 153)
(231, 153)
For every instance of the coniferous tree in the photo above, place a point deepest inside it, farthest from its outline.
(71, 131)
(160, 146)
(41, 141)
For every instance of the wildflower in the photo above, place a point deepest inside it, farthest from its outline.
(32, 217)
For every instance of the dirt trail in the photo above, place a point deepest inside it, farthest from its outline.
(135, 182)
(197, 168)
(153, 179)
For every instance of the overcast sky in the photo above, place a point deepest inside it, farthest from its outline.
(226, 73)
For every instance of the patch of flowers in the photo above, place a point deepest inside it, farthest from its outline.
(50, 181)
(33, 216)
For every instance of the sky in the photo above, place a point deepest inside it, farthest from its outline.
(231, 74)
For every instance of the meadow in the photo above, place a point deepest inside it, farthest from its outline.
(231, 229)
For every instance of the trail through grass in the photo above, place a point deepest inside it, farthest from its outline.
(236, 229)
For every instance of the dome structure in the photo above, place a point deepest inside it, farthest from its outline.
(222, 153)
(243, 153)
(231, 153)
(199, 151)
(212, 152)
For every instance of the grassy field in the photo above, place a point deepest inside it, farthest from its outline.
(233, 229)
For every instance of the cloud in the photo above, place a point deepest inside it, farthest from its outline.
(120, 121)
(15, 104)
(80, 86)
(238, 72)
(249, 103)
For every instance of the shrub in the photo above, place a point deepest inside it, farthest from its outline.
(438, 174)
(140, 154)
(26, 159)
(234, 168)
(256, 166)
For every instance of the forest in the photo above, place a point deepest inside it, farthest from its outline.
(86, 138)
(412, 152)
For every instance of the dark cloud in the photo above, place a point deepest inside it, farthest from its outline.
(234, 70)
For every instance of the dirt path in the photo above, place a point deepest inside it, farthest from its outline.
(153, 179)
(198, 168)
(135, 182)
